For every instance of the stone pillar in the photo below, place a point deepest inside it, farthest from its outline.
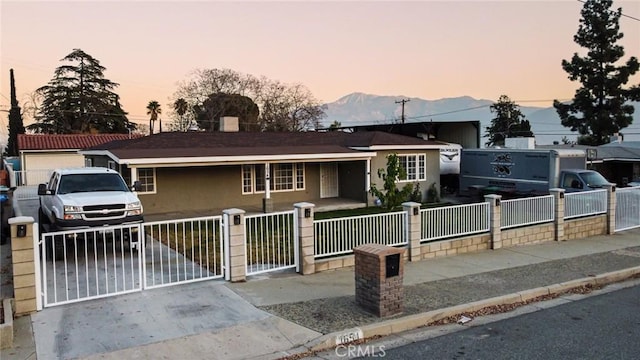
(306, 244)
(25, 279)
(558, 222)
(413, 229)
(234, 228)
(379, 272)
(611, 208)
(495, 215)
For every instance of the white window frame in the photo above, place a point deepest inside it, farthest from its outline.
(419, 170)
(297, 178)
(250, 171)
(154, 181)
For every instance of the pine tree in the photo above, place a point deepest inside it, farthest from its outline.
(509, 122)
(78, 99)
(600, 107)
(16, 125)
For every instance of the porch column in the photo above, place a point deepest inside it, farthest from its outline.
(267, 202)
(25, 268)
(134, 175)
(611, 208)
(236, 270)
(306, 243)
(494, 219)
(413, 229)
(558, 222)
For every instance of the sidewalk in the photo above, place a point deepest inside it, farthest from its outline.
(307, 312)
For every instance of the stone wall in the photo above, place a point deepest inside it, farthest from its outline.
(585, 227)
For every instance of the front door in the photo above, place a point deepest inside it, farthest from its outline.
(328, 181)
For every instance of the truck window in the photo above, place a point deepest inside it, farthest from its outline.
(594, 179)
(569, 181)
(74, 183)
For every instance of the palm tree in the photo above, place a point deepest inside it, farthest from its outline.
(154, 110)
(181, 106)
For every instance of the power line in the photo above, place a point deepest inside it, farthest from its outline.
(621, 13)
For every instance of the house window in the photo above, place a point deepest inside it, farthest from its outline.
(415, 166)
(284, 177)
(88, 162)
(147, 178)
(247, 179)
(299, 176)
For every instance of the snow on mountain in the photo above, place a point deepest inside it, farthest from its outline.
(362, 109)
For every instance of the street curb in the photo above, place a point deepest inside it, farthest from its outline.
(410, 322)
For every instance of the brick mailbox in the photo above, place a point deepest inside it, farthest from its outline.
(379, 272)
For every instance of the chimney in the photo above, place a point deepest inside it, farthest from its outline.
(229, 124)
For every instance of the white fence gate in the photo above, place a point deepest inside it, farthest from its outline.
(627, 208)
(108, 261)
(271, 242)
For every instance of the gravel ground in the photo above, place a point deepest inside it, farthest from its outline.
(340, 313)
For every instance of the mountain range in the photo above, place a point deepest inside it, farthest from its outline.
(363, 109)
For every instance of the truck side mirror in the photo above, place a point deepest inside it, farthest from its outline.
(137, 186)
(42, 189)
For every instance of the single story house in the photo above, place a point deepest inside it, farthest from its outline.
(191, 171)
(40, 153)
(617, 161)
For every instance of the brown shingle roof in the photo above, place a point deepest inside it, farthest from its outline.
(67, 141)
(201, 144)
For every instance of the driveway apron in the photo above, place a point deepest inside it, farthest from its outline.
(114, 323)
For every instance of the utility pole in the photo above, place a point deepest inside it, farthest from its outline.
(403, 101)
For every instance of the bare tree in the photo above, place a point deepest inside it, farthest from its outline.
(282, 107)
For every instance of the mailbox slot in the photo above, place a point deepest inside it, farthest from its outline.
(392, 263)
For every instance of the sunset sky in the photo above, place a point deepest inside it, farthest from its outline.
(423, 49)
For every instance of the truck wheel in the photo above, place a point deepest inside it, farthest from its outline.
(42, 220)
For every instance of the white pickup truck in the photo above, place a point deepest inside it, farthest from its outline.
(85, 198)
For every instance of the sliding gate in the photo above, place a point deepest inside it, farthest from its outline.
(108, 261)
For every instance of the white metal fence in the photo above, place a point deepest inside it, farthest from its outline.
(31, 177)
(450, 221)
(627, 208)
(339, 236)
(585, 203)
(87, 264)
(271, 242)
(181, 251)
(526, 211)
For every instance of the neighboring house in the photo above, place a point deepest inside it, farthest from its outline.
(40, 153)
(618, 161)
(465, 133)
(191, 171)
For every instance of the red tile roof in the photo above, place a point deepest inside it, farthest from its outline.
(67, 141)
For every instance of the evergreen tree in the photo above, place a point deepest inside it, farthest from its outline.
(78, 99)
(16, 125)
(600, 107)
(509, 122)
